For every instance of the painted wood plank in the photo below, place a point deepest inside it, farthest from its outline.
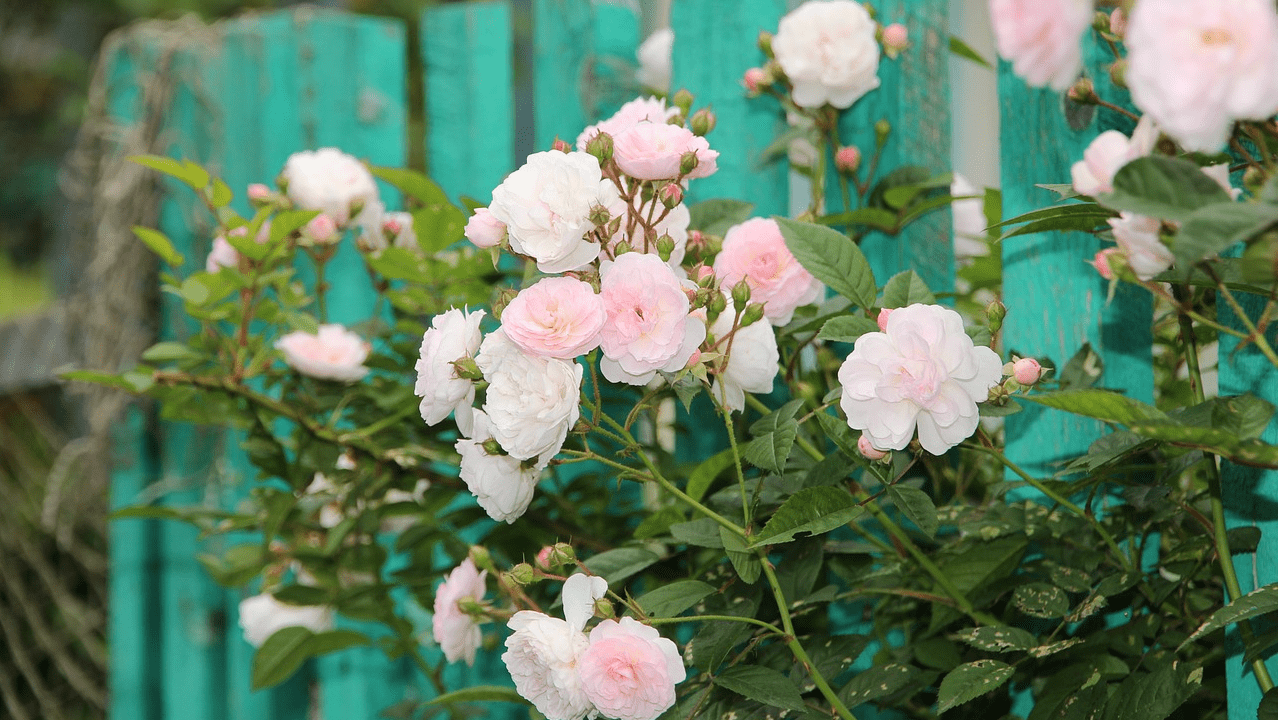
(1249, 494)
(562, 46)
(1056, 302)
(467, 68)
(727, 32)
(609, 78)
(914, 98)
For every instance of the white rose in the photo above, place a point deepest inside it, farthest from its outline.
(750, 363)
(330, 181)
(532, 402)
(543, 652)
(456, 632)
(1109, 152)
(453, 335)
(654, 56)
(829, 53)
(261, 616)
(546, 207)
(922, 371)
(1137, 236)
(502, 486)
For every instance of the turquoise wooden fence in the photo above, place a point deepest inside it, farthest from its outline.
(243, 95)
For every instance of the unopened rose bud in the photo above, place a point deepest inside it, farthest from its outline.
(741, 293)
(259, 193)
(882, 129)
(504, 296)
(599, 215)
(281, 182)
(688, 162)
(765, 43)
(683, 101)
(994, 314)
(704, 275)
(1083, 92)
(1027, 371)
(356, 207)
(392, 228)
(522, 574)
(671, 194)
(561, 145)
(1118, 21)
(753, 79)
(543, 557)
(491, 447)
(847, 159)
(470, 607)
(753, 314)
(483, 230)
(563, 554)
(665, 246)
(693, 360)
(601, 147)
(604, 609)
(895, 39)
(322, 229)
(703, 121)
(868, 451)
(1102, 262)
(696, 239)
(883, 318)
(1118, 73)
(464, 368)
(479, 555)
(620, 248)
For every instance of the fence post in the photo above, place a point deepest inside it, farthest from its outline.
(1248, 493)
(1055, 300)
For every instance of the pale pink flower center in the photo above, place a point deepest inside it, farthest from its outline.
(917, 379)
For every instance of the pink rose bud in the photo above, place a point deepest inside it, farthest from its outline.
(1118, 21)
(484, 230)
(753, 78)
(259, 192)
(696, 238)
(867, 449)
(321, 228)
(1027, 371)
(561, 146)
(1101, 262)
(883, 318)
(704, 271)
(543, 557)
(671, 194)
(693, 359)
(895, 39)
(392, 227)
(847, 159)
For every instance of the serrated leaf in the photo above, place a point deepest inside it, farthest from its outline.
(322, 643)
(905, 289)
(1268, 709)
(917, 506)
(619, 564)
(716, 215)
(670, 600)
(876, 218)
(1100, 404)
(1154, 695)
(1255, 603)
(745, 562)
(1214, 228)
(1163, 187)
(998, 639)
(703, 476)
(774, 438)
(480, 693)
(280, 656)
(702, 532)
(763, 685)
(1041, 600)
(832, 258)
(876, 682)
(814, 510)
(160, 245)
(287, 222)
(970, 681)
(846, 328)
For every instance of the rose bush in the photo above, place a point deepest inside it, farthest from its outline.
(760, 479)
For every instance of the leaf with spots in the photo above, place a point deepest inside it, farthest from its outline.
(763, 685)
(878, 681)
(998, 639)
(1041, 600)
(970, 681)
(1255, 603)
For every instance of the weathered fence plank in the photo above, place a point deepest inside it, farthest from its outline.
(561, 52)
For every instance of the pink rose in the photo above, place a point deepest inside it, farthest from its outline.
(1027, 371)
(654, 151)
(457, 632)
(558, 317)
(629, 671)
(222, 255)
(648, 326)
(1041, 38)
(1137, 236)
(882, 319)
(335, 353)
(1196, 67)
(756, 251)
(484, 230)
(1109, 152)
(639, 110)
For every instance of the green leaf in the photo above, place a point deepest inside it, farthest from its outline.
(1104, 405)
(715, 216)
(220, 194)
(832, 258)
(412, 183)
(905, 289)
(1255, 603)
(149, 512)
(702, 532)
(165, 351)
(763, 685)
(1213, 440)
(1041, 600)
(876, 218)
(1094, 213)
(846, 328)
(329, 641)
(1214, 228)
(970, 681)
(746, 563)
(438, 226)
(285, 223)
(1154, 695)
(1073, 223)
(480, 693)
(998, 639)
(1081, 371)
(620, 563)
(670, 600)
(705, 473)
(160, 245)
(184, 170)
(280, 656)
(1163, 187)
(814, 510)
(837, 430)
(916, 505)
(1268, 709)
(97, 378)
(876, 682)
(963, 50)
(774, 438)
